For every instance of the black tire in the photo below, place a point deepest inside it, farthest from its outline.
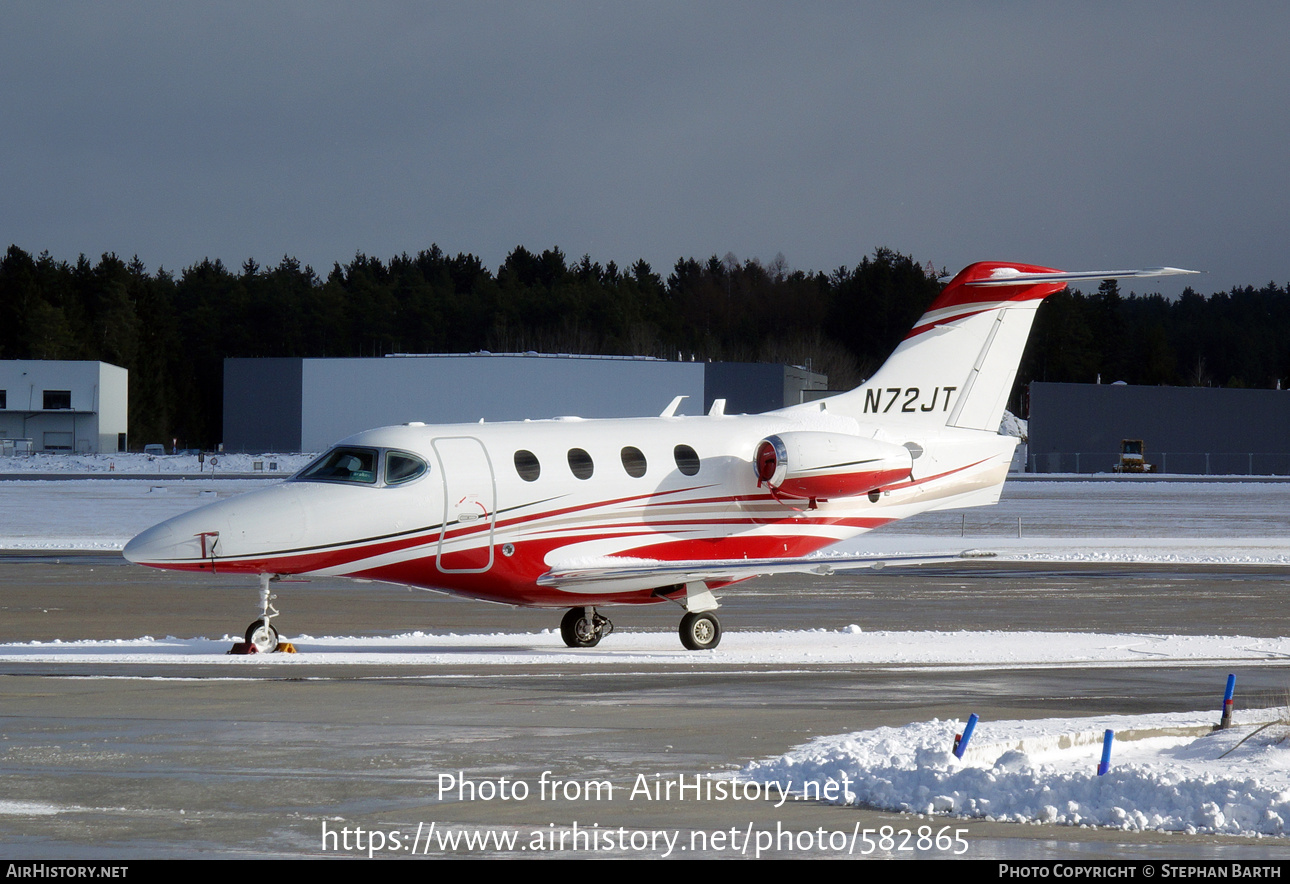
(700, 632)
(578, 630)
(263, 636)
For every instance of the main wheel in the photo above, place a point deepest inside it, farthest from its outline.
(700, 632)
(578, 630)
(263, 636)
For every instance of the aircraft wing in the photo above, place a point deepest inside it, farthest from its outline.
(620, 574)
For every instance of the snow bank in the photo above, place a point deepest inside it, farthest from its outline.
(1168, 772)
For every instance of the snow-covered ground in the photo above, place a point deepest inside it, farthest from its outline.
(1167, 771)
(846, 647)
(92, 464)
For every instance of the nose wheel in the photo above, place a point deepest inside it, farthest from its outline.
(584, 628)
(263, 636)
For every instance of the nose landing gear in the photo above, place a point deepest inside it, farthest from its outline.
(261, 633)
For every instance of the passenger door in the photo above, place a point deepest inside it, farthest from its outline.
(469, 505)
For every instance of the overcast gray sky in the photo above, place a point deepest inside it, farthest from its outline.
(1076, 135)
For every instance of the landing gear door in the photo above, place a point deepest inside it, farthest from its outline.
(469, 505)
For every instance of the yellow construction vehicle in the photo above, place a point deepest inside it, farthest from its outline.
(1133, 458)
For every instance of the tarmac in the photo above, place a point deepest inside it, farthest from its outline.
(144, 760)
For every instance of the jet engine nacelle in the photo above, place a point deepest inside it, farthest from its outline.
(817, 466)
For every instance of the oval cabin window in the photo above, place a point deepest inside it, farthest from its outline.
(634, 462)
(526, 464)
(687, 460)
(580, 463)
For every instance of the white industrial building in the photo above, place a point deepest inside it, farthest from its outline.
(296, 404)
(78, 407)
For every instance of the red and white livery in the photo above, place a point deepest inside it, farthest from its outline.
(580, 514)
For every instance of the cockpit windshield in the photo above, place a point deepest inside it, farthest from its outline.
(361, 465)
(343, 465)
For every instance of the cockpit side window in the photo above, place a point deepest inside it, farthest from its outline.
(343, 465)
(400, 466)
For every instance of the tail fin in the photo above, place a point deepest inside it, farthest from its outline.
(956, 366)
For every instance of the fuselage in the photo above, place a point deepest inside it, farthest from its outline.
(484, 510)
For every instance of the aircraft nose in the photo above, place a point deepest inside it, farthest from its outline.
(180, 541)
(157, 544)
(254, 524)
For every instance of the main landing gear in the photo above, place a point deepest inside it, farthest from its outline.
(584, 628)
(700, 632)
(261, 633)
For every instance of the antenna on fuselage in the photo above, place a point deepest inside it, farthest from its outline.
(672, 406)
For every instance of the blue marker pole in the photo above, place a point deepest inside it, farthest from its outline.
(1106, 753)
(1226, 720)
(961, 741)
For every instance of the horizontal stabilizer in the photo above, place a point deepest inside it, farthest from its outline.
(957, 365)
(1013, 276)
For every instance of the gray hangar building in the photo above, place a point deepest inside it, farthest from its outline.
(1078, 428)
(296, 404)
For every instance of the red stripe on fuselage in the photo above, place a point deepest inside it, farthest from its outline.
(512, 580)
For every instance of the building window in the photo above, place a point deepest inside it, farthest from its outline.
(633, 462)
(687, 461)
(57, 399)
(4, 394)
(526, 464)
(580, 463)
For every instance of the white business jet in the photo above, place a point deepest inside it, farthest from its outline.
(581, 514)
